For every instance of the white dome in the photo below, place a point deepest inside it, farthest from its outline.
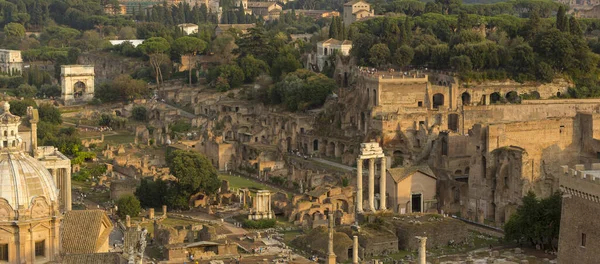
(23, 178)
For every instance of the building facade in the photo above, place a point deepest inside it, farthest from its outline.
(77, 83)
(29, 205)
(11, 62)
(578, 241)
(356, 10)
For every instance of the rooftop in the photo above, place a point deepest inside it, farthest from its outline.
(399, 174)
(84, 231)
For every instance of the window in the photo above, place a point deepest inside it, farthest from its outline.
(4, 252)
(40, 247)
(583, 239)
(420, 104)
(562, 129)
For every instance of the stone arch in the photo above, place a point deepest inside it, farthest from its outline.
(438, 100)
(535, 95)
(39, 207)
(79, 89)
(557, 94)
(6, 211)
(512, 97)
(341, 148)
(330, 149)
(495, 97)
(466, 98)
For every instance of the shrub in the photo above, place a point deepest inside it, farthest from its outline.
(259, 224)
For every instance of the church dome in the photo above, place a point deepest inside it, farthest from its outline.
(22, 177)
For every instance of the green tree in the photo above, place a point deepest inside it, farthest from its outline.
(574, 27)
(50, 114)
(461, 63)
(536, 222)
(284, 63)
(128, 205)
(155, 48)
(194, 172)
(139, 113)
(19, 107)
(562, 22)
(14, 30)
(252, 67)
(379, 54)
(26, 91)
(189, 46)
(404, 55)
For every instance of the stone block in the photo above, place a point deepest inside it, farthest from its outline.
(518, 251)
(495, 253)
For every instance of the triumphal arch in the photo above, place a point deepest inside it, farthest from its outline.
(77, 83)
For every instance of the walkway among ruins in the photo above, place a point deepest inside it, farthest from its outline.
(335, 164)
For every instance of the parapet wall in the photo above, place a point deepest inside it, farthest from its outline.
(580, 182)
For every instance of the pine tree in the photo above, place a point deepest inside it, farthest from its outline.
(204, 13)
(333, 29)
(561, 19)
(574, 27)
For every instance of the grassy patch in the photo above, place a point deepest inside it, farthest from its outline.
(119, 139)
(288, 236)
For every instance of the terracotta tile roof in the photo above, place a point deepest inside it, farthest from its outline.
(337, 42)
(131, 239)
(399, 174)
(85, 231)
(354, 2)
(97, 258)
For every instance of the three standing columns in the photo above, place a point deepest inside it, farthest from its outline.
(371, 190)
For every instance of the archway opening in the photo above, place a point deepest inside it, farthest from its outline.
(78, 89)
(512, 97)
(438, 100)
(495, 98)
(316, 145)
(466, 98)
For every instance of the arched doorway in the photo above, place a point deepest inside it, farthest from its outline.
(316, 145)
(495, 98)
(78, 89)
(512, 97)
(438, 100)
(466, 98)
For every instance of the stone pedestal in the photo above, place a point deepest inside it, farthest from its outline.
(164, 209)
(127, 221)
(151, 213)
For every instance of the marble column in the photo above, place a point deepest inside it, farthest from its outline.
(382, 186)
(359, 186)
(372, 185)
(422, 250)
(68, 204)
(355, 251)
(331, 257)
